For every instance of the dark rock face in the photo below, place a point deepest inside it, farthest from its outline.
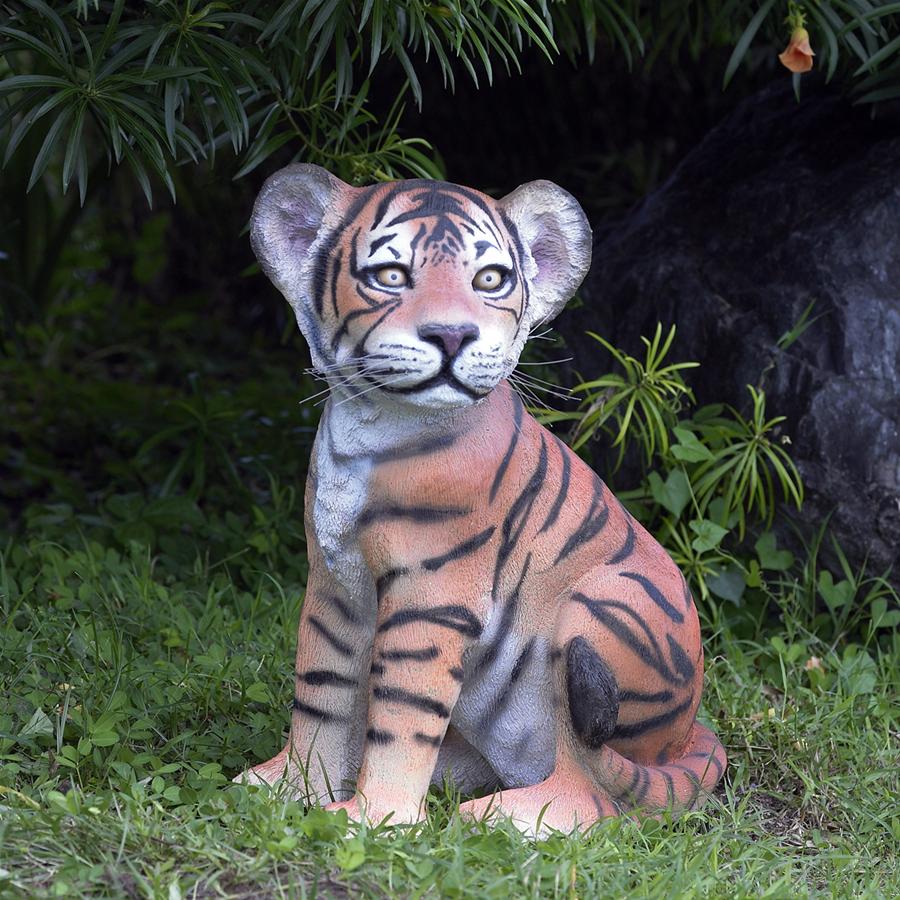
(780, 205)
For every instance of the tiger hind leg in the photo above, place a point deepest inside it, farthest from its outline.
(591, 780)
(574, 797)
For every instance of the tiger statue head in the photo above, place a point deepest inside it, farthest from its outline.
(418, 293)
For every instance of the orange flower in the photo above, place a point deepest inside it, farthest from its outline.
(798, 55)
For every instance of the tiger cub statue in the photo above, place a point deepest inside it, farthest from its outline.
(479, 604)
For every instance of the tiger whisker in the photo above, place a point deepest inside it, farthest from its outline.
(548, 387)
(522, 382)
(350, 362)
(346, 380)
(375, 386)
(549, 362)
(528, 398)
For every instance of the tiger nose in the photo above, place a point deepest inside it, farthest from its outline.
(449, 338)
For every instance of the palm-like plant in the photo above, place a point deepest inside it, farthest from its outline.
(639, 405)
(746, 462)
(170, 82)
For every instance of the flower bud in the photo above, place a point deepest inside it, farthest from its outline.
(798, 55)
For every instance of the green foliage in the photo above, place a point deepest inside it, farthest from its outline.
(712, 479)
(163, 84)
(152, 568)
(637, 407)
(137, 685)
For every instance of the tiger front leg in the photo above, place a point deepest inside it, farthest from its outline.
(334, 640)
(416, 677)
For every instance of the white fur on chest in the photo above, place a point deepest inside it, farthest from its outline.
(351, 436)
(342, 489)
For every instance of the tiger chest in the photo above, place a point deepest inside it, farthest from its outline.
(342, 487)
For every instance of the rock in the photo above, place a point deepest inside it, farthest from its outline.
(781, 205)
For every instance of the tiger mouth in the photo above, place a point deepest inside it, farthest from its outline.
(444, 377)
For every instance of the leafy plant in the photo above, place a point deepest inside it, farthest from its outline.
(745, 462)
(641, 405)
(164, 83)
(706, 475)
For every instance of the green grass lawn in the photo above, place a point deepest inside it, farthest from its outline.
(152, 564)
(136, 685)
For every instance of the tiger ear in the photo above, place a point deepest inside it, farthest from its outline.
(554, 230)
(288, 216)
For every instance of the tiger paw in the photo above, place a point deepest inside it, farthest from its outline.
(376, 813)
(556, 804)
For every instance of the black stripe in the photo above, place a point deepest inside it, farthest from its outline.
(643, 786)
(408, 698)
(688, 599)
(452, 616)
(422, 448)
(342, 647)
(389, 305)
(384, 581)
(375, 301)
(360, 347)
(628, 792)
(507, 309)
(563, 492)
(430, 740)
(423, 515)
(507, 617)
(655, 594)
(320, 677)
(626, 549)
(693, 780)
(649, 651)
(335, 273)
(499, 705)
(438, 193)
(709, 758)
(642, 697)
(680, 659)
(413, 245)
(518, 259)
(345, 610)
(507, 457)
(433, 563)
(670, 788)
(492, 714)
(423, 655)
(522, 661)
(374, 736)
(517, 517)
(321, 268)
(376, 668)
(380, 242)
(456, 673)
(635, 729)
(384, 205)
(314, 712)
(591, 525)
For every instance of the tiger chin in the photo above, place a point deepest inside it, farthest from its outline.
(479, 604)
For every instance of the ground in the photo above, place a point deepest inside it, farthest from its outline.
(137, 686)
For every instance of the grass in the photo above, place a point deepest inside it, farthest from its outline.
(137, 683)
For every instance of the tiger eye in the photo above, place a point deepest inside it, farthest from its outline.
(391, 276)
(489, 279)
